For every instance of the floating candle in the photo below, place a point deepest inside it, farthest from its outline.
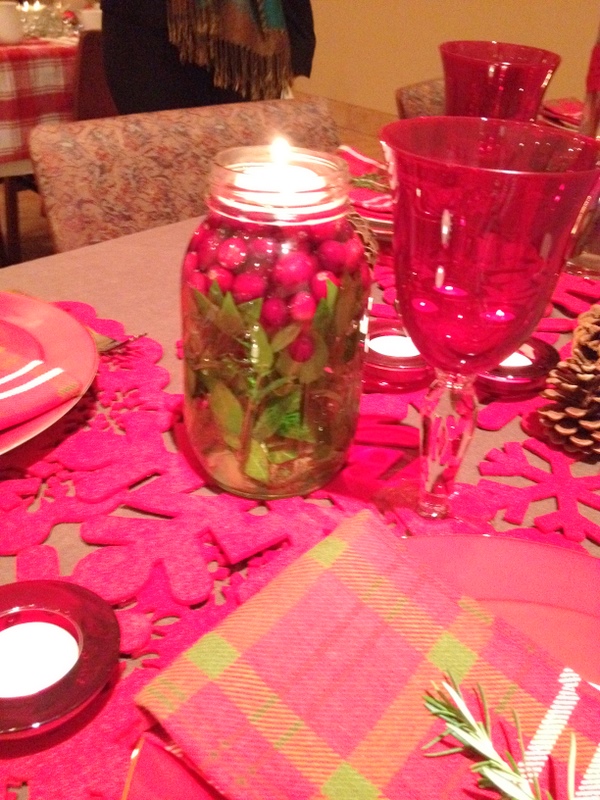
(525, 370)
(393, 346)
(33, 656)
(517, 359)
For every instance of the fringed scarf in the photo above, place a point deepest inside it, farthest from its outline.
(244, 43)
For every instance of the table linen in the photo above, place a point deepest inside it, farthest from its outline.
(36, 85)
(109, 499)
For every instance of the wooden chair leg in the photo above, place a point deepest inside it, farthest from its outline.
(13, 238)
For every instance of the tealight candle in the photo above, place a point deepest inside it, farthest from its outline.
(517, 359)
(34, 656)
(393, 346)
(279, 182)
(523, 371)
(391, 360)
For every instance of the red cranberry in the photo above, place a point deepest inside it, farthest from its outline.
(197, 238)
(248, 286)
(198, 280)
(332, 255)
(263, 249)
(294, 268)
(366, 277)
(222, 276)
(207, 249)
(346, 231)
(355, 251)
(302, 307)
(326, 230)
(302, 348)
(232, 252)
(274, 312)
(318, 284)
(190, 262)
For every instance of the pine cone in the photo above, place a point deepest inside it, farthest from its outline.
(573, 418)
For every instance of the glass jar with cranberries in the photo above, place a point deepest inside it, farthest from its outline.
(274, 286)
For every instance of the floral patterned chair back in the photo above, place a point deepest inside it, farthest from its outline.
(423, 99)
(104, 178)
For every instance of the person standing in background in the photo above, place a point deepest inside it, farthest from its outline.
(161, 54)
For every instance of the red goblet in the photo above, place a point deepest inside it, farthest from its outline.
(495, 79)
(483, 216)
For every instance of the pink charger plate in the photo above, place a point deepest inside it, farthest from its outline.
(549, 593)
(44, 331)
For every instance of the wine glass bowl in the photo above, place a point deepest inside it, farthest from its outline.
(496, 79)
(484, 212)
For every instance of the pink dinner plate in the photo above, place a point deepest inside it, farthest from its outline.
(54, 336)
(550, 593)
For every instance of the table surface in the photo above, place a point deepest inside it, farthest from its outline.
(135, 280)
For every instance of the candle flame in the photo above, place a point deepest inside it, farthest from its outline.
(280, 150)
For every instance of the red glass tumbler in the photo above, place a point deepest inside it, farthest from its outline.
(496, 79)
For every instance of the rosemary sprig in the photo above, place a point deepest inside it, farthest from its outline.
(372, 180)
(502, 774)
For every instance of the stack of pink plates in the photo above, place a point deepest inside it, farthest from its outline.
(370, 193)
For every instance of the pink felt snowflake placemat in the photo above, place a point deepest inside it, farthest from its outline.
(111, 499)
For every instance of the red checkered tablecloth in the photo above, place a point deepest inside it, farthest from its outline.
(36, 85)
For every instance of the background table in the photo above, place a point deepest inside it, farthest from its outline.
(36, 85)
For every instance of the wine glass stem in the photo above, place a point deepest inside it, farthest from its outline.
(447, 424)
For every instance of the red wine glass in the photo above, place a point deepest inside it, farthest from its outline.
(484, 211)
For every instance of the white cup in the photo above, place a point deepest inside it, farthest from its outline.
(90, 19)
(11, 27)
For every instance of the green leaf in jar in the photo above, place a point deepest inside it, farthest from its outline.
(250, 311)
(257, 463)
(226, 409)
(285, 336)
(294, 427)
(274, 414)
(229, 319)
(261, 354)
(215, 293)
(332, 294)
(322, 318)
(312, 369)
(282, 456)
(204, 305)
(346, 307)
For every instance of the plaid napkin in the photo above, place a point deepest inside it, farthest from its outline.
(314, 687)
(30, 387)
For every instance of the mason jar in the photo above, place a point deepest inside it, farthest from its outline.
(274, 285)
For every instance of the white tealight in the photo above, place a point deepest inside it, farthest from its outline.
(517, 359)
(33, 656)
(279, 178)
(393, 346)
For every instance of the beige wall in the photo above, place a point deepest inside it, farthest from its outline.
(366, 48)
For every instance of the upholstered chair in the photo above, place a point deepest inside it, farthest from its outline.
(104, 178)
(423, 99)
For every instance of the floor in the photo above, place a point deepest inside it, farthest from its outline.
(358, 127)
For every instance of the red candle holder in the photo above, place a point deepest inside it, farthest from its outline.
(391, 361)
(523, 372)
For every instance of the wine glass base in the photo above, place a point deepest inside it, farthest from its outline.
(466, 512)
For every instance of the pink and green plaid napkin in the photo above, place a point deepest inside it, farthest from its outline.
(314, 687)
